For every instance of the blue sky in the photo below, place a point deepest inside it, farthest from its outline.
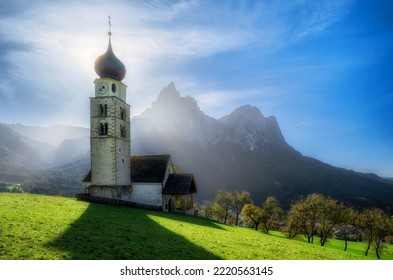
(323, 68)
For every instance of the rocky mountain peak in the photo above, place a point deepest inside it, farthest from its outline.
(247, 126)
(245, 114)
(168, 93)
(248, 111)
(181, 116)
(175, 115)
(168, 99)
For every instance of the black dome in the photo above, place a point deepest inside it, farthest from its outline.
(108, 65)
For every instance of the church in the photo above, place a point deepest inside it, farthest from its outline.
(116, 177)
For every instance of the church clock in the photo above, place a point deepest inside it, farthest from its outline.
(102, 88)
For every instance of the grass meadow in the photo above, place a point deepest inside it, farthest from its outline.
(56, 228)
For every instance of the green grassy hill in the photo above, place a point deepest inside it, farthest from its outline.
(48, 227)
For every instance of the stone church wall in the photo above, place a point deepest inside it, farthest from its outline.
(103, 161)
(149, 194)
(102, 191)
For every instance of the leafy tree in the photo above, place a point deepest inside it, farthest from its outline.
(305, 213)
(222, 205)
(207, 210)
(252, 214)
(271, 213)
(348, 226)
(293, 227)
(239, 200)
(331, 214)
(376, 225)
(389, 237)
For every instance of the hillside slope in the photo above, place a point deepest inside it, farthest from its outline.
(47, 227)
(18, 157)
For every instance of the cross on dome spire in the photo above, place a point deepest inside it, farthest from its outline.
(108, 65)
(110, 24)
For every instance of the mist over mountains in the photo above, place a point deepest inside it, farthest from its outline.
(245, 150)
(241, 151)
(56, 145)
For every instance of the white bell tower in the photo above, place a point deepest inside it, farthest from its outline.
(110, 141)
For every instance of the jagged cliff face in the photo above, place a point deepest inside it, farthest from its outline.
(178, 116)
(181, 116)
(247, 126)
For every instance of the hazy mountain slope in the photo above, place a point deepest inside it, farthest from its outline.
(245, 150)
(70, 150)
(16, 150)
(63, 180)
(17, 155)
(58, 144)
(52, 135)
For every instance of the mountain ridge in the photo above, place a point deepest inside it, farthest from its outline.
(246, 150)
(243, 150)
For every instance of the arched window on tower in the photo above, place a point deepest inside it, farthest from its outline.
(123, 131)
(123, 113)
(103, 128)
(113, 88)
(103, 110)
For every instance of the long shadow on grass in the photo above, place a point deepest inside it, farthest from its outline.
(186, 219)
(112, 233)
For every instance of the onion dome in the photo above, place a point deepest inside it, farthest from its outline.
(108, 65)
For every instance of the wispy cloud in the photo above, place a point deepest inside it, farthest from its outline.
(224, 53)
(64, 38)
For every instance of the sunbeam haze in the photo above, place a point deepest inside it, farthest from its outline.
(324, 69)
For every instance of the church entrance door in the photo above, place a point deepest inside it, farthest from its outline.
(170, 205)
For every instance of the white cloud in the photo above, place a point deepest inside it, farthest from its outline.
(64, 38)
(6, 90)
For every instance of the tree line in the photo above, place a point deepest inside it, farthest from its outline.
(314, 215)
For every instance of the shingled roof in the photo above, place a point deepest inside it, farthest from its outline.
(150, 168)
(180, 184)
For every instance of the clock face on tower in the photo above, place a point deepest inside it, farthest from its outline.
(102, 88)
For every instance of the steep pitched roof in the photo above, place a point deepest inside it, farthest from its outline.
(180, 184)
(149, 168)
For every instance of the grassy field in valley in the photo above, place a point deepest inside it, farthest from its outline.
(48, 227)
